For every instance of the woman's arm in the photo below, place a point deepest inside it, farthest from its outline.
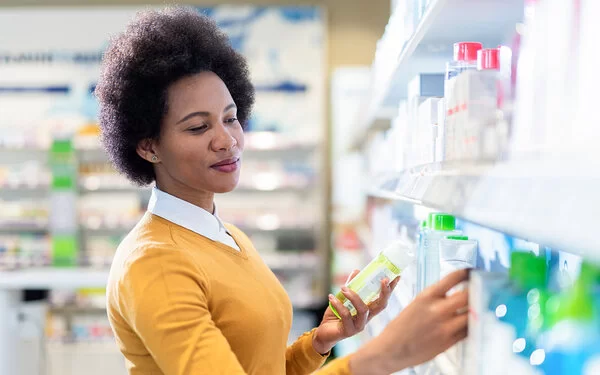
(309, 352)
(163, 298)
(428, 326)
(301, 358)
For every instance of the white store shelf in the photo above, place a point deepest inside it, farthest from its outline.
(429, 48)
(54, 278)
(551, 201)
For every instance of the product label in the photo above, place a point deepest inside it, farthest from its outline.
(370, 288)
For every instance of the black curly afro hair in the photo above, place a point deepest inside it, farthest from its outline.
(157, 49)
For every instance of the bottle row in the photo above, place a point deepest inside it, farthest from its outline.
(499, 103)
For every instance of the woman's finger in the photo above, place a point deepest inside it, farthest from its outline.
(456, 302)
(457, 324)
(460, 335)
(450, 281)
(362, 310)
(381, 302)
(352, 276)
(342, 311)
(394, 283)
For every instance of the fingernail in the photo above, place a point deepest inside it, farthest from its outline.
(331, 297)
(345, 289)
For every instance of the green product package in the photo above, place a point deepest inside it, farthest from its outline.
(64, 250)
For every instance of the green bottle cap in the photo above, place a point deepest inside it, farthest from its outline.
(528, 271)
(458, 238)
(444, 222)
(424, 224)
(430, 219)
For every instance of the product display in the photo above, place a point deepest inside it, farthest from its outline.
(500, 145)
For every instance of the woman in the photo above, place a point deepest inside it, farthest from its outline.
(188, 294)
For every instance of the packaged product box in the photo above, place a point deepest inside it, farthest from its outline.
(427, 130)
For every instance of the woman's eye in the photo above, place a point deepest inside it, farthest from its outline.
(231, 120)
(198, 129)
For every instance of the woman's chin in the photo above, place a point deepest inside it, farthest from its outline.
(224, 188)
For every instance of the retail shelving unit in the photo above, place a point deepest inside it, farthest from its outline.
(542, 197)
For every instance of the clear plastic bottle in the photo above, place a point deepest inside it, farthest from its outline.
(389, 263)
(421, 241)
(465, 58)
(442, 225)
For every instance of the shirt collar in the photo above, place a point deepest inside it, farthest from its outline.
(185, 214)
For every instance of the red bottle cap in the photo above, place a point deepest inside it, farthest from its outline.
(466, 51)
(488, 59)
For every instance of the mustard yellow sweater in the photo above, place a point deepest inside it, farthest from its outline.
(180, 303)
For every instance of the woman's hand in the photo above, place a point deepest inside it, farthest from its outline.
(432, 323)
(332, 329)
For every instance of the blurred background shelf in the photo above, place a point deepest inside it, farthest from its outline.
(288, 260)
(87, 189)
(23, 191)
(54, 278)
(20, 225)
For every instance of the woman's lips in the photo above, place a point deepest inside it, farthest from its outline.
(227, 166)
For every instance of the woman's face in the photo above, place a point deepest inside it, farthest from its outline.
(201, 141)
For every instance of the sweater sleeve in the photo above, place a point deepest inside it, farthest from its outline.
(340, 366)
(301, 358)
(163, 297)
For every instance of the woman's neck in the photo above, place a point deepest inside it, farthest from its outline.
(200, 198)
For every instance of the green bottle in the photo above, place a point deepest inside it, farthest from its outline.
(389, 263)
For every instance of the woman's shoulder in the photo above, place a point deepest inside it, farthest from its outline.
(150, 244)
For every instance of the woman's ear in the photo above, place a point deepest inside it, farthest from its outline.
(146, 148)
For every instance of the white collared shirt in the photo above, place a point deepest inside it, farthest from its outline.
(190, 216)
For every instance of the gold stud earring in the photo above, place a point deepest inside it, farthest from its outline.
(154, 158)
